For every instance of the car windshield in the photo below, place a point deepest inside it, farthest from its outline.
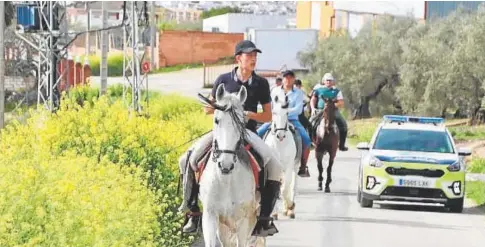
(413, 140)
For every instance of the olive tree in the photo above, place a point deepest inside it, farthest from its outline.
(366, 67)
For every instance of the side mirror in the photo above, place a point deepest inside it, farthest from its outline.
(464, 151)
(363, 146)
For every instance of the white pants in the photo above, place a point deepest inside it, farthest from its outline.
(270, 158)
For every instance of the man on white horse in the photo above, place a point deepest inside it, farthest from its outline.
(295, 97)
(329, 90)
(258, 92)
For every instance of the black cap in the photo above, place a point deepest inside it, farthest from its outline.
(288, 72)
(245, 46)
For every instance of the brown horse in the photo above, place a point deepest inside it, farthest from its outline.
(326, 141)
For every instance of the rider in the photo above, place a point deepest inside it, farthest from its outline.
(258, 92)
(295, 98)
(278, 83)
(329, 90)
(302, 117)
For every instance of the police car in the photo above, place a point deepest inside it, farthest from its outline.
(412, 159)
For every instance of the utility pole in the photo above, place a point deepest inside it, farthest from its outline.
(132, 54)
(104, 50)
(2, 64)
(88, 26)
(51, 38)
(153, 34)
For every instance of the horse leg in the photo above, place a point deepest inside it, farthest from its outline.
(243, 231)
(319, 157)
(257, 242)
(287, 190)
(292, 192)
(209, 228)
(329, 172)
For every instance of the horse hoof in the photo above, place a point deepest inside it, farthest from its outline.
(320, 188)
(327, 189)
(291, 214)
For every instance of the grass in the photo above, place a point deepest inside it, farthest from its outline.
(362, 130)
(467, 133)
(475, 190)
(476, 165)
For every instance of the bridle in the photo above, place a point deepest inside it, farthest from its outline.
(285, 106)
(216, 152)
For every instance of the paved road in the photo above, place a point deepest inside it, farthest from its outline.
(187, 82)
(336, 219)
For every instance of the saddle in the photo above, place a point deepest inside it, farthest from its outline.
(255, 160)
(296, 137)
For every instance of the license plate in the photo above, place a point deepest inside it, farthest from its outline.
(414, 183)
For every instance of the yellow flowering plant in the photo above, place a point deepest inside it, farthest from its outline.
(104, 133)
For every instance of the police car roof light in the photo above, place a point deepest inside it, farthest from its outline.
(423, 120)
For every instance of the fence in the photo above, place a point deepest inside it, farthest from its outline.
(211, 72)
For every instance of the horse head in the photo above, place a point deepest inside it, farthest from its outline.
(229, 128)
(280, 116)
(329, 114)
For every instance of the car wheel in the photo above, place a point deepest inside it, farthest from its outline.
(365, 203)
(456, 205)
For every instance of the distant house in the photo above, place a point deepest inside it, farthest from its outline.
(329, 16)
(241, 22)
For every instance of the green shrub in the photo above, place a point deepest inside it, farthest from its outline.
(115, 64)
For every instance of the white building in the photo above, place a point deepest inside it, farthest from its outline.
(283, 54)
(240, 22)
(352, 15)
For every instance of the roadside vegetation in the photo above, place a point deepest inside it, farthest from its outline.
(402, 66)
(92, 174)
(476, 191)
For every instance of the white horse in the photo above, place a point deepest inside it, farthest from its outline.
(281, 139)
(227, 186)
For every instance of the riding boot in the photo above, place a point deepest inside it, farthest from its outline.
(193, 220)
(269, 195)
(343, 138)
(303, 172)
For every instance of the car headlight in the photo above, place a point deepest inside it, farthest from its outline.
(375, 162)
(455, 167)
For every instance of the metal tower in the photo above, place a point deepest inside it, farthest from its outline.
(51, 34)
(134, 51)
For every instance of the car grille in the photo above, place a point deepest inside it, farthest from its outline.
(414, 172)
(413, 192)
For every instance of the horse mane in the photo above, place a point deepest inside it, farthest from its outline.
(329, 114)
(231, 104)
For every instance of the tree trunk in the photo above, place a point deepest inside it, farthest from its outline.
(362, 110)
(477, 101)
